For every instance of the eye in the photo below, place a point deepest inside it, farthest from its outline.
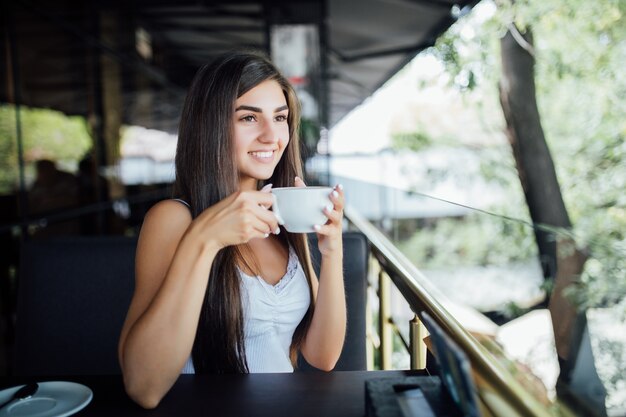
(281, 118)
(248, 118)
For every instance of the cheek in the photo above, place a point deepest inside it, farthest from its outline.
(241, 139)
(284, 136)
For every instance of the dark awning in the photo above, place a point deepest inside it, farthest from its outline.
(368, 41)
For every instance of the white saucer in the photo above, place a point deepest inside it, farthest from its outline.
(52, 399)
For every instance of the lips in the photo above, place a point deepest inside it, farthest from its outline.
(262, 154)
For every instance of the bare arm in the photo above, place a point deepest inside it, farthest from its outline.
(173, 261)
(159, 329)
(324, 340)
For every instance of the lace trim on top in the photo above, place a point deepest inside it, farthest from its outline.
(292, 268)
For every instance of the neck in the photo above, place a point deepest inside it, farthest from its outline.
(248, 184)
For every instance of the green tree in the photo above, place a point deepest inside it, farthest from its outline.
(46, 134)
(579, 49)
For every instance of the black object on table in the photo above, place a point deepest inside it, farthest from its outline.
(382, 395)
(303, 394)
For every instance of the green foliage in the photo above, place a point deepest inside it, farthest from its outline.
(309, 132)
(8, 150)
(46, 134)
(477, 239)
(602, 283)
(469, 51)
(580, 50)
(512, 310)
(414, 141)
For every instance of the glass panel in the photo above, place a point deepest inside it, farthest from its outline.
(88, 99)
(427, 160)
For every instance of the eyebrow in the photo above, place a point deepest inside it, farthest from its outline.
(258, 109)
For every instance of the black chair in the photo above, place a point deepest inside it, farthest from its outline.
(73, 297)
(74, 294)
(355, 258)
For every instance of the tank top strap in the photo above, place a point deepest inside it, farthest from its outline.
(182, 202)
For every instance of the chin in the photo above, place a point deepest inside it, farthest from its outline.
(262, 175)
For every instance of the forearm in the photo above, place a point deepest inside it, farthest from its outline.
(326, 334)
(161, 339)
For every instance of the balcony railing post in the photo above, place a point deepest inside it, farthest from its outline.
(418, 347)
(384, 327)
(372, 341)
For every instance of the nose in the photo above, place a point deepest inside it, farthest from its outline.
(270, 132)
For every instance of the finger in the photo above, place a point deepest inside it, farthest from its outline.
(269, 219)
(244, 229)
(262, 212)
(254, 202)
(326, 230)
(333, 215)
(267, 225)
(260, 198)
(337, 198)
(299, 183)
(261, 229)
(266, 189)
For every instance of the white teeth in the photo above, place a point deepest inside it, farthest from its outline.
(262, 154)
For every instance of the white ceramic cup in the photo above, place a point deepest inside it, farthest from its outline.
(298, 209)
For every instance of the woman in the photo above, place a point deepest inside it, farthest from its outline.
(220, 286)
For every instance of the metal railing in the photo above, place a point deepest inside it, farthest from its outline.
(499, 391)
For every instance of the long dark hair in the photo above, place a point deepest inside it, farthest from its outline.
(206, 173)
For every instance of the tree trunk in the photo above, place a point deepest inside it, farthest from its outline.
(532, 156)
(541, 189)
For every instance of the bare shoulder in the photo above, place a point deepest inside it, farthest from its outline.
(163, 227)
(168, 213)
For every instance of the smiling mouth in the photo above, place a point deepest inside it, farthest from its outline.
(262, 155)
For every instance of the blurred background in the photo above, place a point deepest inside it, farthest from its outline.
(485, 139)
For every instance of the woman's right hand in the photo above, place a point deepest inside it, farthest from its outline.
(237, 219)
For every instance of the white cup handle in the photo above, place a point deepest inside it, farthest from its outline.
(280, 219)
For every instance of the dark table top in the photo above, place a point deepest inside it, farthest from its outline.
(294, 394)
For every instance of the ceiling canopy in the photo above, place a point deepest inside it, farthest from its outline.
(61, 49)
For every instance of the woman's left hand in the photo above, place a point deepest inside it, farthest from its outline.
(329, 235)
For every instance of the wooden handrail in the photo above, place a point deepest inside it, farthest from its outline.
(509, 393)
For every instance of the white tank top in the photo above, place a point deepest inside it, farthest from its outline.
(271, 315)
